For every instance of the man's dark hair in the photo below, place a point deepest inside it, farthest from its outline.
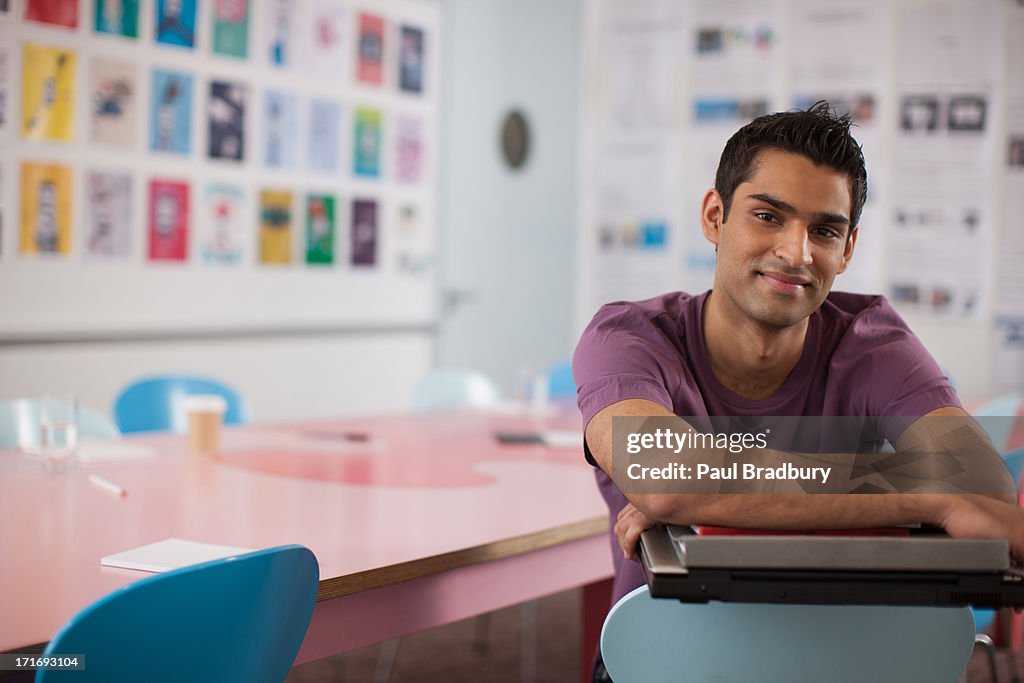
(818, 134)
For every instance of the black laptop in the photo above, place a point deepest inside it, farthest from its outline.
(923, 568)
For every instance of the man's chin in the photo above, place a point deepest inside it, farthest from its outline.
(773, 317)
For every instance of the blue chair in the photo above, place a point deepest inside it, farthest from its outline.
(645, 640)
(19, 423)
(158, 403)
(443, 389)
(561, 385)
(236, 619)
(454, 388)
(996, 418)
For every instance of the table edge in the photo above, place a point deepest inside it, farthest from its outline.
(379, 577)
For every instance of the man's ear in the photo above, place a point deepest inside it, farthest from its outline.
(848, 253)
(712, 215)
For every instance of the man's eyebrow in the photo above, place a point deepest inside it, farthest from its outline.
(818, 217)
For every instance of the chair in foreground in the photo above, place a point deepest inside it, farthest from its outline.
(19, 423)
(649, 640)
(235, 619)
(158, 403)
(454, 388)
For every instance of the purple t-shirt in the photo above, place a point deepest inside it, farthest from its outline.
(859, 359)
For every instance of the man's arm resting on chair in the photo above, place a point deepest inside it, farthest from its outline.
(962, 515)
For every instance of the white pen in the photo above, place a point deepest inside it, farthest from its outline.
(107, 485)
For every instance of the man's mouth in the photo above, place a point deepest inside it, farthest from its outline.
(787, 284)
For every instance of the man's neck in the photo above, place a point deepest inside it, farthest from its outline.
(748, 358)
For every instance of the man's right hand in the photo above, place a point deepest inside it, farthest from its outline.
(975, 516)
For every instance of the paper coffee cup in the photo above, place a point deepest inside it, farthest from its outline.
(205, 415)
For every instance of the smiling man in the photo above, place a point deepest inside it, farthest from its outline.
(771, 339)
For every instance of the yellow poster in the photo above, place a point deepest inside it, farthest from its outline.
(45, 209)
(275, 226)
(48, 98)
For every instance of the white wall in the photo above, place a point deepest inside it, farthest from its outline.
(506, 236)
(307, 376)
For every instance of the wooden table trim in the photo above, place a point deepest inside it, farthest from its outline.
(404, 571)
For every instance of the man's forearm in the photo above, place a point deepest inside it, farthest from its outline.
(794, 511)
(664, 454)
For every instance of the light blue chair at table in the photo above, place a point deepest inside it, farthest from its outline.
(450, 388)
(19, 423)
(561, 384)
(996, 418)
(453, 388)
(647, 640)
(236, 619)
(158, 403)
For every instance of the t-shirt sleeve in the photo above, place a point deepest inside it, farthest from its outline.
(898, 378)
(622, 355)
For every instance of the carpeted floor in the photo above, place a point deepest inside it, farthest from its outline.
(447, 654)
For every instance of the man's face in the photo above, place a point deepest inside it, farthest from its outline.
(785, 239)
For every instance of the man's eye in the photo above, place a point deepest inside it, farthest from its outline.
(827, 232)
(764, 216)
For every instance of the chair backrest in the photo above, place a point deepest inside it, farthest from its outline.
(19, 423)
(158, 403)
(1014, 461)
(235, 619)
(454, 388)
(561, 385)
(649, 640)
(996, 418)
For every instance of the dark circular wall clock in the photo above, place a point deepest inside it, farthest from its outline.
(515, 139)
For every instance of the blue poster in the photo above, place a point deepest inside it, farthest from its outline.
(280, 129)
(324, 125)
(170, 119)
(176, 22)
(410, 59)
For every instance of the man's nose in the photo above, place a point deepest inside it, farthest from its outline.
(793, 246)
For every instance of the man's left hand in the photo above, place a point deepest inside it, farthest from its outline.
(628, 527)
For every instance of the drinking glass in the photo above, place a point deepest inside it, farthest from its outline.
(58, 431)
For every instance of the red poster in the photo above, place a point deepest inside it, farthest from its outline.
(59, 12)
(168, 220)
(370, 65)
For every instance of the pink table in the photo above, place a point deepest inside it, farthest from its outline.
(416, 521)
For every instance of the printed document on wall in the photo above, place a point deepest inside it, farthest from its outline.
(828, 62)
(634, 182)
(1009, 292)
(947, 61)
(733, 48)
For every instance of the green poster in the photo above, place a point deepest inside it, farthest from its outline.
(120, 17)
(231, 28)
(367, 143)
(320, 229)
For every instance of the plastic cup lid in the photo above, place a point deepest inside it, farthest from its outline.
(208, 403)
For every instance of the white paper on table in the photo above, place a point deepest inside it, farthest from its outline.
(170, 553)
(562, 438)
(93, 450)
